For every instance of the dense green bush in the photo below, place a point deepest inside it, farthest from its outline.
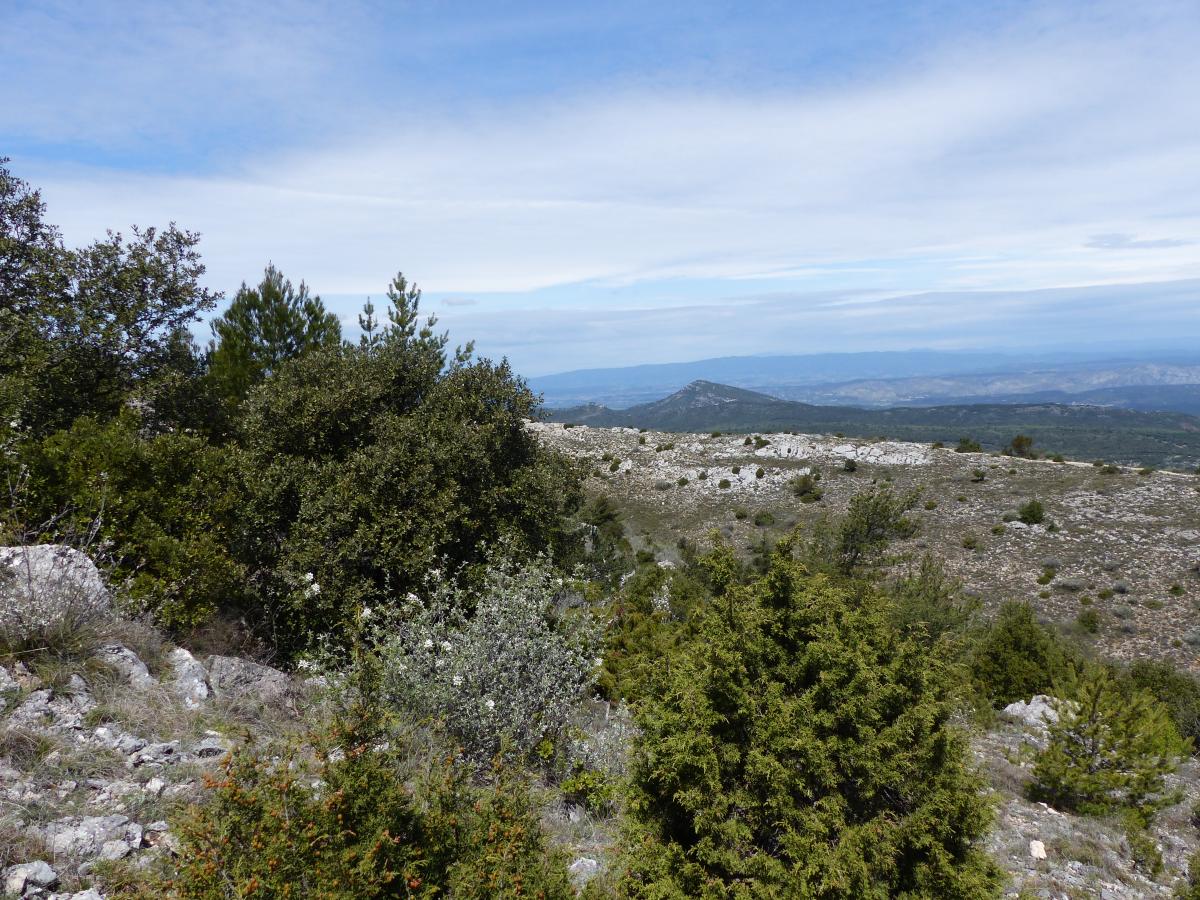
(165, 505)
(1178, 691)
(1016, 657)
(369, 469)
(1109, 749)
(1032, 513)
(799, 747)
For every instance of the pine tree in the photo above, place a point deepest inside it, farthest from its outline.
(404, 310)
(799, 747)
(1109, 749)
(264, 327)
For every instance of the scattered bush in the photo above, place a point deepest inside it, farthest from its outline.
(850, 465)
(1088, 620)
(724, 483)
(760, 472)
(968, 445)
(931, 504)
(682, 481)
(807, 488)
(971, 542)
(1032, 513)
(763, 519)
(978, 475)
(760, 442)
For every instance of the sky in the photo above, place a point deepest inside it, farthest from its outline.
(600, 184)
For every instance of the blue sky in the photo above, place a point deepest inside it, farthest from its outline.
(582, 185)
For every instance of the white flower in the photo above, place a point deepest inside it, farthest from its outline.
(457, 680)
(447, 646)
(598, 662)
(308, 576)
(489, 703)
(366, 613)
(427, 643)
(411, 597)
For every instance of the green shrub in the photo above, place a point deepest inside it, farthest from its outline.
(166, 505)
(931, 504)
(724, 483)
(760, 442)
(806, 487)
(760, 472)
(1088, 620)
(400, 469)
(998, 528)
(744, 773)
(682, 481)
(971, 542)
(1016, 657)
(968, 445)
(978, 475)
(1109, 749)
(1032, 513)
(850, 465)
(740, 514)
(1177, 690)
(381, 824)
(763, 519)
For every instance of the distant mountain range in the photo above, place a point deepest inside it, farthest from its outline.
(1154, 438)
(911, 378)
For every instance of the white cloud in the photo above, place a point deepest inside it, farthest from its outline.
(1004, 166)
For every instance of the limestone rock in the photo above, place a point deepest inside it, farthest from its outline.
(47, 585)
(1036, 712)
(189, 679)
(1037, 850)
(128, 664)
(236, 679)
(37, 874)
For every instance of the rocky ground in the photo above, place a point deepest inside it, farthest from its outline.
(1123, 542)
(98, 756)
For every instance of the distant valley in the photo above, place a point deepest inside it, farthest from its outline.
(1162, 439)
(1149, 382)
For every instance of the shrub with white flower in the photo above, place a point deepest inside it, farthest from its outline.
(501, 666)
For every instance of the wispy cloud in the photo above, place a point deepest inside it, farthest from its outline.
(1129, 242)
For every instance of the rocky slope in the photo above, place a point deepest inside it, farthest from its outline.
(1123, 542)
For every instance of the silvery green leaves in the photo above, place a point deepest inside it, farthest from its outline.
(503, 666)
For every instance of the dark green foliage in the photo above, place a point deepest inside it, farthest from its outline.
(968, 445)
(1016, 657)
(1109, 749)
(928, 604)
(1088, 620)
(875, 518)
(264, 327)
(1178, 691)
(764, 519)
(799, 747)
(165, 505)
(1021, 445)
(1032, 513)
(83, 331)
(650, 616)
(368, 469)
